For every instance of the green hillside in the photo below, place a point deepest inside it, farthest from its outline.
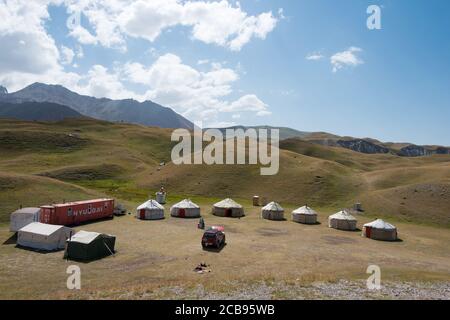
(74, 159)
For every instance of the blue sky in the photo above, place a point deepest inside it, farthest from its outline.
(391, 84)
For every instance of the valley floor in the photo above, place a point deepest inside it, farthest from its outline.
(262, 260)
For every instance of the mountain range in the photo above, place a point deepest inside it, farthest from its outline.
(127, 110)
(44, 102)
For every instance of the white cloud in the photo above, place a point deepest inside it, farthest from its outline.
(212, 22)
(249, 102)
(314, 56)
(67, 55)
(195, 94)
(29, 54)
(347, 58)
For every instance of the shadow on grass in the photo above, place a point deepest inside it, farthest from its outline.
(86, 261)
(188, 218)
(309, 224)
(41, 251)
(214, 249)
(11, 240)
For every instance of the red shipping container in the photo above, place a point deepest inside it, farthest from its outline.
(72, 213)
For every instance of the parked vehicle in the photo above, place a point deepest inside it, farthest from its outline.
(214, 237)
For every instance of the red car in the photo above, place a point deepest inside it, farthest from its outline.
(214, 237)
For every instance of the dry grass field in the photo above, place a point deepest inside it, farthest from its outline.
(155, 259)
(42, 163)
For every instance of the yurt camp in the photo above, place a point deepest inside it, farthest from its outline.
(380, 230)
(20, 218)
(43, 236)
(150, 210)
(305, 215)
(87, 246)
(185, 209)
(342, 220)
(228, 208)
(272, 211)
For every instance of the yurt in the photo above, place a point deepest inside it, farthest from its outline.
(304, 215)
(185, 209)
(228, 208)
(43, 236)
(87, 246)
(272, 211)
(20, 218)
(342, 220)
(380, 230)
(150, 210)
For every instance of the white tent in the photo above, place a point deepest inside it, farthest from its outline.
(342, 220)
(150, 210)
(185, 209)
(20, 218)
(228, 208)
(272, 211)
(380, 230)
(43, 236)
(304, 215)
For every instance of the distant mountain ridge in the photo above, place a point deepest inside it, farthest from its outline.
(364, 145)
(126, 110)
(285, 132)
(37, 111)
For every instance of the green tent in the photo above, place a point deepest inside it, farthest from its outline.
(87, 246)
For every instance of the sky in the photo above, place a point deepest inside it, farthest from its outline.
(312, 65)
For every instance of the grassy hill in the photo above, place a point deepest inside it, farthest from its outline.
(75, 159)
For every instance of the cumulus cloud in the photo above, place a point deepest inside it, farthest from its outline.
(29, 54)
(347, 58)
(314, 56)
(67, 55)
(212, 22)
(196, 94)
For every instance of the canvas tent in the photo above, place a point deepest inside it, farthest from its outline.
(86, 246)
(342, 220)
(185, 209)
(228, 208)
(150, 210)
(304, 215)
(20, 218)
(272, 211)
(43, 236)
(380, 230)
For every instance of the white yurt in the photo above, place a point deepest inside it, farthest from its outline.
(150, 210)
(228, 208)
(305, 214)
(272, 211)
(185, 209)
(380, 230)
(43, 236)
(342, 220)
(20, 218)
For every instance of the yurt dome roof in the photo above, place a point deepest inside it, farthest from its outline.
(305, 210)
(342, 215)
(227, 203)
(380, 224)
(186, 203)
(273, 206)
(150, 204)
